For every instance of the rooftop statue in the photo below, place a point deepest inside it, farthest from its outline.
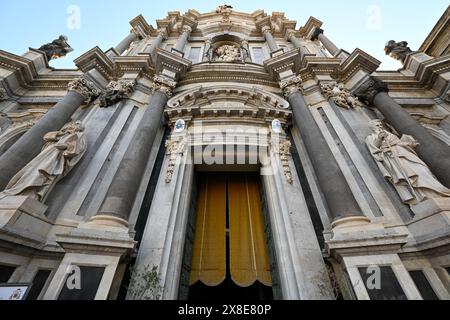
(57, 49)
(397, 50)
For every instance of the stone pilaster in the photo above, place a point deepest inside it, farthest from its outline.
(435, 153)
(267, 31)
(339, 198)
(30, 144)
(327, 43)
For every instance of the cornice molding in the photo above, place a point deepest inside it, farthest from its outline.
(96, 59)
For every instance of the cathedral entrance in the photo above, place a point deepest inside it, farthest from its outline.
(230, 256)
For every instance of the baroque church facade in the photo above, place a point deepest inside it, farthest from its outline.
(227, 154)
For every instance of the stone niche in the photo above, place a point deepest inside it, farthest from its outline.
(227, 48)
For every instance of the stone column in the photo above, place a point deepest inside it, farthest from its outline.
(296, 42)
(125, 43)
(434, 152)
(182, 40)
(330, 46)
(267, 31)
(121, 194)
(162, 35)
(31, 143)
(338, 195)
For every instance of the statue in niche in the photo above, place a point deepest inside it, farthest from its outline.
(400, 165)
(397, 50)
(228, 53)
(57, 49)
(62, 151)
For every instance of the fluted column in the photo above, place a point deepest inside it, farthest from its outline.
(123, 189)
(267, 31)
(296, 42)
(125, 43)
(338, 195)
(162, 35)
(31, 143)
(434, 152)
(182, 40)
(327, 43)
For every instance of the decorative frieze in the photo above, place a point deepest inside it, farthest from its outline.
(341, 96)
(84, 87)
(370, 89)
(116, 91)
(174, 148)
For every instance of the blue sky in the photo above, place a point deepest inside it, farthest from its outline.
(366, 24)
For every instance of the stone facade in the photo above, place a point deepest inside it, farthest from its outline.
(155, 105)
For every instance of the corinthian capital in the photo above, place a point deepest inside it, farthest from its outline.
(291, 85)
(84, 87)
(317, 32)
(370, 89)
(163, 33)
(266, 29)
(186, 29)
(164, 85)
(290, 33)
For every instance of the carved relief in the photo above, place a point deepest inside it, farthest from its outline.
(174, 148)
(225, 11)
(62, 151)
(228, 53)
(84, 87)
(284, 150)
(56, 49)
(401, 166)
(115, 92)
(341, 96)
(397, 50)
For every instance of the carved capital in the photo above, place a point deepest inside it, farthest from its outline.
(164, 85)
(84, 87)
(116, 91)
(341, 96)
(317, 32)
(186, 29)
(291, 85)
(3, 94)
(284, 150)
(370, 89)
(291, 34)
(163, 33)
(266, 29)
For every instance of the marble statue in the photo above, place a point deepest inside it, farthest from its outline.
(62, 151)
(397, 50)
(57, 49)
(401, 166)
(228, 53)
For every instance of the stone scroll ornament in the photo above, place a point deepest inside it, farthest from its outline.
(174, 148)
(397, 50)
(62, 151)
(400, 165)
(57, 48)
(341, 96)
(115, 92)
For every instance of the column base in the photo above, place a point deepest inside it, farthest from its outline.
(348, 222)
(107, 222)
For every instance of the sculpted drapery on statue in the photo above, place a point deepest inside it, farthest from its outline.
(62, 151)
(57, 49)
(401, 166)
